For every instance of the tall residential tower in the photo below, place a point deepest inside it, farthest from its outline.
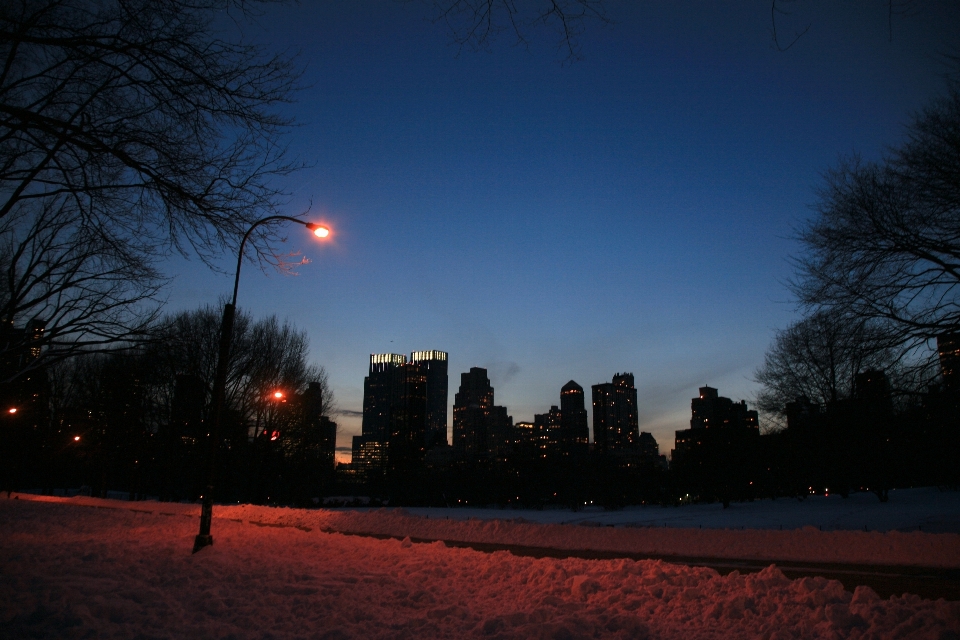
(615, 424)
(434, 366)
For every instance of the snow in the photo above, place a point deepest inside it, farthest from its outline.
(124, 570)
(926, 509)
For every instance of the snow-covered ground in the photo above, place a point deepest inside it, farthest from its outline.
(898, 532)
(926, 509)
(125, 570)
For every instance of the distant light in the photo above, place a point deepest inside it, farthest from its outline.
(12, 410)
(76, 438)
(277, 394)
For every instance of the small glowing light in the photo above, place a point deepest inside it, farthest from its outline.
(277, 394)
(12, 410)
(76, 438)
(321, 232)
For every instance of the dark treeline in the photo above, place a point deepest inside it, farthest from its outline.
(860, 443)
(136, 421)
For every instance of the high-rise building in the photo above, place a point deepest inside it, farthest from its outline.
(480, 429)
(649, 450)
(715, 423)
(434, 365)
(394, 414)
(501, 437)
(381, 393)
(408, 418)
(615, 423)
(315, 420)
(575, 435)
(471, 413)
(711, 410)
(525, 434)
(549, 434)
(368, 458)
(948, 348)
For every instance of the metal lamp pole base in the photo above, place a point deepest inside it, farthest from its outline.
(204, 539)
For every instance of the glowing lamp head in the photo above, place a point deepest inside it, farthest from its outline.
(277, 394)
(319, 230)
(76, 438)
(12, 410)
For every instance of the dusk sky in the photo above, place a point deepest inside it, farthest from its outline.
(629, 212)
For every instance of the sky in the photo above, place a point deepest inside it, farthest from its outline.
(634, 211)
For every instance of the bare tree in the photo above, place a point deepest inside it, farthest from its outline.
(85, 292)
(475, 24)
(128, 129)
(885, 244)
(267, 355)
(784, 9)
(819, 358)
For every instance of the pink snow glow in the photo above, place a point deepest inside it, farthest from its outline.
(125, 571)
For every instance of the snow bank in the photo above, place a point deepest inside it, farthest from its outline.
(70, 571)
(808, 544)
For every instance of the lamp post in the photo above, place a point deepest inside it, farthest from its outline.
(204, 538)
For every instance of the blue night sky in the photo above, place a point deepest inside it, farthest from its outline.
(630, 212)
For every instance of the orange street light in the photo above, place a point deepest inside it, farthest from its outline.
(319, 230)
(76, 438)
(204, 538)
(12, 410)
(277, 394)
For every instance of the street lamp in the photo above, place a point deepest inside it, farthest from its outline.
(204, 538)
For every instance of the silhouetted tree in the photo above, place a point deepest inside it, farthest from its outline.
(819, 358)
(128, 129)
(475, 24)
(267, 440)
(885, 245)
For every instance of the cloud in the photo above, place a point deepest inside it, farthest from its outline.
(501, 372)
(350, 413)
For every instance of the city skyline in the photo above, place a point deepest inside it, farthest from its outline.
(482, 432)
(632, 211)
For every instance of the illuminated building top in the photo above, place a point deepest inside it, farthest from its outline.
(421, 356)
(387, 358)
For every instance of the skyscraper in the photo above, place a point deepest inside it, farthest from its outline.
(381, 393)
(434, 364)
(394, 414)
(471, 413)
(408, 418)
(396, 409)
(615, 425)
(480, 429)
(549, 434)
(573, 419)
(716, 424)
(325, 430)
